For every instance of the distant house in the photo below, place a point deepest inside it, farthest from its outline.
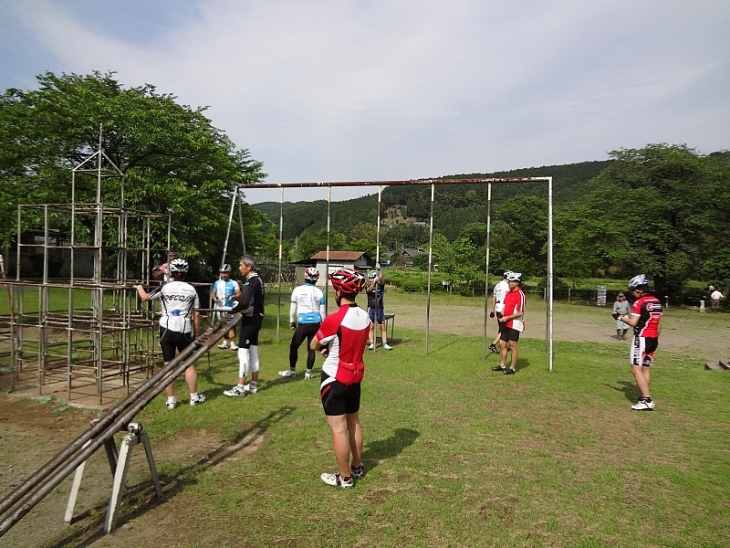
(405, 257)
(358, 260)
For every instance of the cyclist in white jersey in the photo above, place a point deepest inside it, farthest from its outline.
(179, 324)
(224, 292)
(499, 293)
(305, 316)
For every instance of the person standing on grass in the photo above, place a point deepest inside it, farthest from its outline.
(621, 308)
(645, 318)
(224, 292)
(513, 323)
(179, 324)
(305, 316)
(500, 291)
(251, 305)
(342, 337)
(163, 271)
(715, 297)
(376, 306)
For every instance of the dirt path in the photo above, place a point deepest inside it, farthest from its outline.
(684, 332)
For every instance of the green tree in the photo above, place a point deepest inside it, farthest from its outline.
(655, 211)
(310, 243)
(173, 160)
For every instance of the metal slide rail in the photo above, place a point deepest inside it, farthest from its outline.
(23, 498)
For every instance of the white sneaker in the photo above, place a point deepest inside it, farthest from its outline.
(171, 404)
(235, 392)
(643, 405)
(371, 346)
(386, 346)
(335, 480)
(223, 345)
(197, 401)
(233, 346)
(287, 373)
(250, 389)
(307, 374)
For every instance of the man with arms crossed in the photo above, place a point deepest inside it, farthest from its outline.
(342, 338)
(645, 318)
(251, 307)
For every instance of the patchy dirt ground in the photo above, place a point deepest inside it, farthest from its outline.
(31, 431)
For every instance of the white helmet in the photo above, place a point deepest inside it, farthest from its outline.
(638, 281)
(179, 265)
(514, 277)
(311, 275)
(225, 268)
(507, 273)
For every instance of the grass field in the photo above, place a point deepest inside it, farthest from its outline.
(456, 455)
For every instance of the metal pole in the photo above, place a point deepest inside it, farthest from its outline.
(228, 229)
(98, 434)
(549, 284)
(327, 251)
(377, 239)
(281, 254)
(430, 267)
(486, 270)
(240, 221)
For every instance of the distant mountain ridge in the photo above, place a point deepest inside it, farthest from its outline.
(455, 205)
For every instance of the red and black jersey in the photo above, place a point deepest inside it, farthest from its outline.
(649, 309)
(345, 333)
(514, 302)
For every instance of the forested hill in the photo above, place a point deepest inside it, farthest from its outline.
(455, 205)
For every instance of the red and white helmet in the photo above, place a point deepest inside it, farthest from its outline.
(311, 275)
(347, 281)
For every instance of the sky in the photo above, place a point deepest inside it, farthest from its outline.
(378, 90)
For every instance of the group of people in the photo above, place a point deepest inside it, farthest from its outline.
(508, 307)
(341, 337)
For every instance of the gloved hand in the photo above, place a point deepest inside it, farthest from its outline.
(491, 314)
(292, 325)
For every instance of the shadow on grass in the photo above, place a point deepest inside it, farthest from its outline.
(142, 497)
(379, 450)
(631, 393)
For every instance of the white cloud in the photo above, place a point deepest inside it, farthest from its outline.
(328, 90)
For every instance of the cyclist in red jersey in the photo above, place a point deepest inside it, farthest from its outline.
(645, 318)
(342, 337)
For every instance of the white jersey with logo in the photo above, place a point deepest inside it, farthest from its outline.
(307, 305)
(500, 292)
(178, 301)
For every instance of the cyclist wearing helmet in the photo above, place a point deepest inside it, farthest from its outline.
(500, 291)
(513, 323)
(224, 292)
(179, 324)
(645, 318)
(251, 306)
(341, 338)
(163, 270)
(305, 315)
(376, 306)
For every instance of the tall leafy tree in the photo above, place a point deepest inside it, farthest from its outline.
(173, 159)
(648, 211)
